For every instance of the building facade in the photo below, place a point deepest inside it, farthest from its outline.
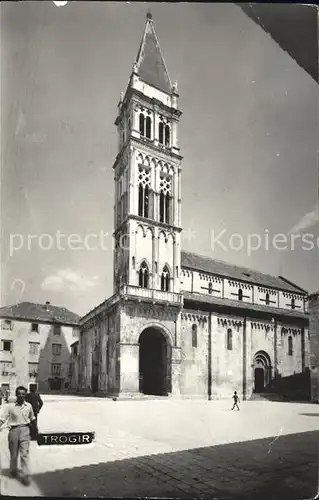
(314, 345)
(35, 346)
(74, 368)
(178, 323)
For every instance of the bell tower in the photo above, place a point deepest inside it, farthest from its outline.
(147, 176)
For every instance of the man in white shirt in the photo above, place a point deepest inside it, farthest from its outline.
(19, 416)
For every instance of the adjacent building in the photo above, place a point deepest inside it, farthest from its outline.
(179, 323)
(314, 345)
(35, 346)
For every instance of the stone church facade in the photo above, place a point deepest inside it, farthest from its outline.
(178, 323)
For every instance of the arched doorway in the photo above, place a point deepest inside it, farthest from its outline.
(262, 371)
(154, 363)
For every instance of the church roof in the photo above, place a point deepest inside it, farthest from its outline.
(242, 306)
(224, 269)
(39, 313)
(151, 66)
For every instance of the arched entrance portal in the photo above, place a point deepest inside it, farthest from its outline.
(262, 371)
(154, 362)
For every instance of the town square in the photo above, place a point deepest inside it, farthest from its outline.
(159, 310)
(169, 448)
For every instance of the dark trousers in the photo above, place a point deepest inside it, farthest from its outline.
(235, 405)
(34, 428)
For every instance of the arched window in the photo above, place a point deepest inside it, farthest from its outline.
(143, 192)
(210, 287)
(293, 305)
(194, 335)
(148, 127)
(240, 294)
(165, 188)
(143, 275)
(229, 339)
(161, 133)
(267, 299)
(142, 124)
(290, 348)
(165, 280)
(167, 135)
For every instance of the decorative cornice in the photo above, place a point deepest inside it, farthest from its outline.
(290, 330)
(292, 296)
(166, 227)
(212, 278)
(229, 322)
(189, 316)
(147, 147)
(262, 326)
(240, 284)
(267, 290)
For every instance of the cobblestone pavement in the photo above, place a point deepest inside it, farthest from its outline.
(168, 448)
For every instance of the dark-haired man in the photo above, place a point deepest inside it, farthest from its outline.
(19, 416)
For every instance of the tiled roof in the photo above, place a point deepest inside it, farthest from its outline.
(151, 67)
(241, 306)
(39, 312)
(220, 268)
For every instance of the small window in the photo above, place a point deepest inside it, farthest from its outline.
(240, 294)
(290, 347)
(210, 287)
(7, 345)
(229, 339)
(194, 336)
(56, 369)
(35, 327)
(57, 330)
(143, 275)
(34, 347)
(56, 349)
(267, 299)
(161, 133)
(165, 280)
(33, 369)
(293, 305)
(148, 127)
(6, 324)
(6, 368)
(142, 124)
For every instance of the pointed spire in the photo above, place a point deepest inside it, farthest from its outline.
(150, 64)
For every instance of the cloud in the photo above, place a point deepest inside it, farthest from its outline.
(67, 279)
(309, 220)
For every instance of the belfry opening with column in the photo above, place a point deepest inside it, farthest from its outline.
(178, 323)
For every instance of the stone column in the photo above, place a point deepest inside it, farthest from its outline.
(302, 350)
(129, 371)
(244, 360)
(275, 349)
(179, 199)
(209, 377)
(176, 370)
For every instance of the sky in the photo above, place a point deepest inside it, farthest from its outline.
(248, 135)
